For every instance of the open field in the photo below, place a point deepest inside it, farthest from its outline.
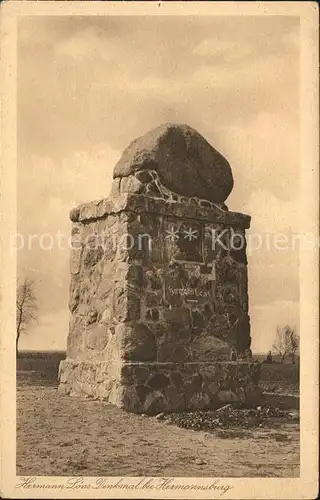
(39, 367)
(60, 435)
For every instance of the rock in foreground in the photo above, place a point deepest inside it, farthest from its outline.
(232, 418)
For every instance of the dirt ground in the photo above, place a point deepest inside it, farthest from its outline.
(60, 435)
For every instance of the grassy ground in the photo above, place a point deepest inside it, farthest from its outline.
(60, 435)
(280, 378)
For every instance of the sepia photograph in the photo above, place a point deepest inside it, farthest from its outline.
(161, 261)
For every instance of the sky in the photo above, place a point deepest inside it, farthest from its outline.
(87, 86)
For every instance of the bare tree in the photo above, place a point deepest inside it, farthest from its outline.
(286, 342)
(293, 343)
(279, 344)
(26, 307)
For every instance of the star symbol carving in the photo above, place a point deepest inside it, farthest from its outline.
(173, 234)
(190, 234)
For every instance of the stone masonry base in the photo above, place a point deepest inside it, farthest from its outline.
(152, 388)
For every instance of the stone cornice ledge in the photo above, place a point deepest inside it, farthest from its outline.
(139, 204)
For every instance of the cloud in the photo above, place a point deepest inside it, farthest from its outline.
(272, 215)
(48, 332)
(44, 224)
(230, 51)
(81, 176)
(273, 248)
(267, 72)
(101, 73)
(264, 155)
(266, 318)
(273, 277)
(85, 44)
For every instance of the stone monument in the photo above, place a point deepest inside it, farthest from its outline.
(159, 287)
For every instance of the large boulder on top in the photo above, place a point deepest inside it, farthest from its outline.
(186, 163)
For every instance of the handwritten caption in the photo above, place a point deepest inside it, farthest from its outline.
(103, 483)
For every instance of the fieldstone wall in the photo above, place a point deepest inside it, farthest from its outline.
(153, 388)
(158, 297)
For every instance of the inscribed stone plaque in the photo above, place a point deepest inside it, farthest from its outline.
(183, 240)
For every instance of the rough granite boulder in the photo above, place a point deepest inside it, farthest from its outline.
(185, 162)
